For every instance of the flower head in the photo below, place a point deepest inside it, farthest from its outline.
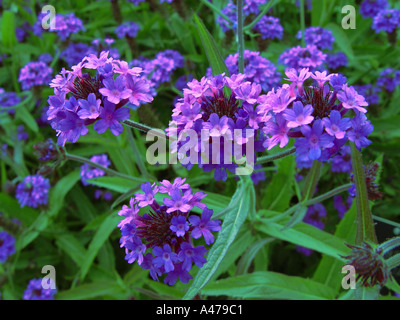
(35, 291)
(33, 191)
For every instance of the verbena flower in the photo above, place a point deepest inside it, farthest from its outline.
(318, 36)
(213, 116)
(387, 20)
(7, 246)
(269, 27)
(35, 73)
(370, 8)
(316, 115)
(314, 216)
(8, 100)
(75, 52)
(389, 79)
(341, 162)
(33, 191)
(257, 69)
(298, 57)
(163, 236)
(127, 29)
(90, 172)
(35, 291)
(230, 11)
(336, 60)
(97, 91)
(67, 24)
(47, 150)
(370, 92)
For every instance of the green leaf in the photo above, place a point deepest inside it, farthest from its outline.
(305, 235)
(102, 234)
(341, 39)
(23, 114)
(213, 55)
(230, 227)
(297, 217)
(269, 285)
(117, 184)
(72, 247)
(90, 291)
(8, 29)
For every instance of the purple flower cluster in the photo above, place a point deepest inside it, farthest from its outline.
(269, 27)
(89, 172)
(100, 45)
(33, 191)
(318, 36)
(160, 69)
(127, 29)
(252, 6)
(257, 69)
(98, 89)
(35, 291)
(206, 119)
(68, 24)
(389, 79)
(371, 92)
(35, 73)
(313, 217)
(336, 60)
(8, 100)
(387, 20)
(340, 206)
(315, 116)
(341, 162)
(298, 57)
(7, 246)
(75, 52)
(230, 12)
(370, 8)
(168, 229)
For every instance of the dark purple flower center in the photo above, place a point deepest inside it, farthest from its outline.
(322, 104)
(82, 87)
(1, 242)
(37, 292)
(221, 105)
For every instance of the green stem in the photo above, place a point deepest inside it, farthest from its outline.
(365, 224)
(302, 22)
(111, 172)
(311, 180)
(393, 262)
(142, 127)
(240, 37)
(138, 157)
(279, 155)
(215, 9)
(389, 245)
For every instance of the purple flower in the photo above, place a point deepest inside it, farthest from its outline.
(189, 254)
(299, 115)
(314, 139)
(337, 81)
(7, 246)
(127, 29)
(67, 24)
(35, 73)
(110, 119)
(389, 79)
(342, 161)
(114, 90)
(179, 225)
(387, 20)
(164, 257)
(203, 226)
(336, 60)
(297, 57)
(89, 172)
(164, 228)
(361, 128)
(35, 291)
(370, 8)
(351, 99)
(335, 125)
(370, 92)
(90, 108)
(269, 27)
(320, 37)
(278, 131)
(33, 191)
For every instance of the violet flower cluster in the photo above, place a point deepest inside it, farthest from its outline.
(308, 57)
(162, 239)
(7, 246)
(257, 69)
(35, 73)
(315, 115)
(389, 79)
(33, 191)
(318, 36)
(8, 100)
(342, 206)
(209, 120)
(371, 92)
(336, 60)
(127, 29)
(65, 25)
(95, 91)
(370, 8)
(35, 291)
(387, 20)
(90, 172)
